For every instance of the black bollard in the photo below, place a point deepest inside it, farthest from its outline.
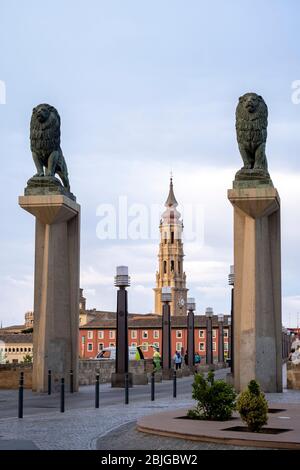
(126, 389)
(21, 389)
(97, 390)
(62, 395)
(174, 385)
(49, 382)
(71, 382)
(152, 387)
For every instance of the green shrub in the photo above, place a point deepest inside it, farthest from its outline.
(253, 407)
(215, 398)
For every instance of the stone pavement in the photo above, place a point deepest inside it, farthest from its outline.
(128, 438)
(82, 428)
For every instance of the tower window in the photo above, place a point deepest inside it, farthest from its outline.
(172, 265)
(165, 267)
(166, 237)
(179, 267)
(172, 237)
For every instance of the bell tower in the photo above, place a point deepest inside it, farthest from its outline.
(170, 258)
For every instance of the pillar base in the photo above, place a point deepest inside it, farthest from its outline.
(167, 374)
(118, 380)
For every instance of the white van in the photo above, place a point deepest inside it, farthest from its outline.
(110, 353)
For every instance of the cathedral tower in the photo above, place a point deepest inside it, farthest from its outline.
(170, 258)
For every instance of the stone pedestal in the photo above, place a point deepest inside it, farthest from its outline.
(257, 287)
(56, 288)
(118, 380)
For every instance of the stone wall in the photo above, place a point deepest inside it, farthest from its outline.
(293, 376)
(88, 369)
(10, 375)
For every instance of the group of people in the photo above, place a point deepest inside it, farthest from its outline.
(178, 359)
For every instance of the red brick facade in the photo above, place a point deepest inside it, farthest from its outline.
(99, 334)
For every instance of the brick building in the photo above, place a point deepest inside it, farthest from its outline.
(145, 330)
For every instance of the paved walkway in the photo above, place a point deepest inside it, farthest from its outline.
(82, 428)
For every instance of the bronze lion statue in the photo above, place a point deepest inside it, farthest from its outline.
(251, 129)
(45, 143)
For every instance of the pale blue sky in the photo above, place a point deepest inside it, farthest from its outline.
(142, 87)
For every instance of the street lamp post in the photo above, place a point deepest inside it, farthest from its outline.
(221, 339)
(209, 346)
(191, 307)
(122, 280)
(231, 327)
(166, 298)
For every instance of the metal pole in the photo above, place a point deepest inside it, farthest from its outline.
(166, 337)
(152, 387)
(126, 389)
(62, 395)
(21, 389)
(209, 349)
(191, 340)
(49, 382)
(97, 390)
(174, 385)
(71, 381)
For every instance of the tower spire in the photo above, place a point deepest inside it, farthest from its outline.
(171, 200)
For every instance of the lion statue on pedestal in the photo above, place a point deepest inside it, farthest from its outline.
(45, 143)
(251, 129)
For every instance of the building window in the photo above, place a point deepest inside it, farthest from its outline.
(178, 346)
(134, 345)
(145, 347)
(165, 267)
(179, 267)
(214, 346)
(225, 333)
(29, 349)
(166, 238)
(145, 334)
(17, 349)
(111, 345)
(172, 265)
(83, 339)
(25, 349)
(172, 237)
(90, 335)
(201, 346)
(156, 345)
(133, 334)
(225, 346)
(100, 334)
(13, 350)
(201, 333)
(156, 334)
(112, 334)
(214, 333)
(178, 334)
(90, 346)
(100, 346)
(21, 349)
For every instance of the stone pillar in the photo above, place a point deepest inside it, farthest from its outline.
(257, 287)
(221, 339)
(56, 288)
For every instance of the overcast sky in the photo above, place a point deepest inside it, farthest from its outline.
(145, 87)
